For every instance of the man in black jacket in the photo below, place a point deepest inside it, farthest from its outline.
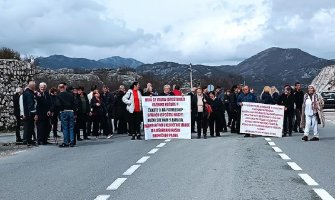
(120, 111)
(29, 113)
(16, 101)
(82, 114)
(108, 99)
(43, 113)
(66, 104)
(287, 100)
(298, 100)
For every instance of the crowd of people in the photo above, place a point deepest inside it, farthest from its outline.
(102, 112)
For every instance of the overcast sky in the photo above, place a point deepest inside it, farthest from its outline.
(197, 31)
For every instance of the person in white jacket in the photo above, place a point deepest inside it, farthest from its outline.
(133, 99)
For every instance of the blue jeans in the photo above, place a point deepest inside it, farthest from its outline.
(67, 120)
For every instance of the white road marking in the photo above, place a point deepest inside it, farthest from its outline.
(323, 194)
(308, 179)
(267, 139)
(272, 144)
(284, 156)
(277, 149)
(161, 145)
(102, 197)
(167, 140)
(153, 151)
(131, 170)
(143, 160)
(294, 166)
(116, 184)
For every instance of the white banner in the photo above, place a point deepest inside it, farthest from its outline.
(167, 117)
(262, 119)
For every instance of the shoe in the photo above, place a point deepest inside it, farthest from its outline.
(295, 130)
(72, 145)
(301, 131)
(247, 135)
(19, 140)
(79, 139)
(314, 139)
(139, 137)
(233, 131)
(289, 133)
(305, 138)
(225, 130)
(218, 135)
(63, 145)
(132, 137)
(198, 137)
(205, 136)
(109, 136)
(212, 135)
(87, 138)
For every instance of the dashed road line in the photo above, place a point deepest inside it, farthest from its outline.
(116, 184)
(102, 197)
(161, 145)
(294, 166)
(284, 156)
(267, 139)
(272, 143)
(143, 160)
(153, 151)
(308, 179)
(131, 170)
(323, 194)
(277, 149)
(167, 140)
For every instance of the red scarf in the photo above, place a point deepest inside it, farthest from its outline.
(136, 101)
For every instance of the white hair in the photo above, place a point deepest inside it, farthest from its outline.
(18, 90)
(43, 84)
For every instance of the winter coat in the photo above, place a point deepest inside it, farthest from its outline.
(98, 110)
(128, 99)
(29, 102)
(80, 107)
(298, 99)
(250, 97)
(287, 101)
(266, 98)
(43, 104)
(109, 101)
(275, 97)
(217, 106)
(119, 106)
(16, 101)
(194, 106)
(317, 106)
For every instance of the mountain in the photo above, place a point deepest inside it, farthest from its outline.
(118, 61)
(325, 80)
(277, 66)
(60, 61)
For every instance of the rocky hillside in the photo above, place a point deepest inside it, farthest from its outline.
(325, 80)
(60, 61)
(276, 66)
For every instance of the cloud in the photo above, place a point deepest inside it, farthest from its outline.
(197, 31)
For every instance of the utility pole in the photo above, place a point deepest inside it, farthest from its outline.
(191, 84)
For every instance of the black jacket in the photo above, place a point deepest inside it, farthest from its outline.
(98, 110)
(217, 106)
(287, 101)
(194, 105)
(233, 102)
(168, 94)
(29, 102)
(16, 102)
(120, 108)
(66, 101)
(298, 99)
(109, 101)
(266, 98)
(43, 104)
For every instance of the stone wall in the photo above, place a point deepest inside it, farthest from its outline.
(325, 80)
(13, 74)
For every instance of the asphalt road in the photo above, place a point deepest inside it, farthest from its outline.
(229, 167)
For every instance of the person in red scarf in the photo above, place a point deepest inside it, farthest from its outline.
(133, 99)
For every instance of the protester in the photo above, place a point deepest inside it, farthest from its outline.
(29, 113)
(108, 99)
(148, 90)
(215, 118)
(66, 104)
(54, 112)
(17, 114)
(312, 114)
(198, 106)
(133, 99)
(167, 91)
(120, 111)
(246, 96)
(221, 98)
(287, 100)
(193, 112)
(89, 121)
(98, 113)
(275, 94)
(227, 107)
(82, 113)
(298, 100)
(43, 114)
(176, 91)
(266, 97)
(234, 109)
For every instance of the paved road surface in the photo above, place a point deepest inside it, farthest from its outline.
(229, 167)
